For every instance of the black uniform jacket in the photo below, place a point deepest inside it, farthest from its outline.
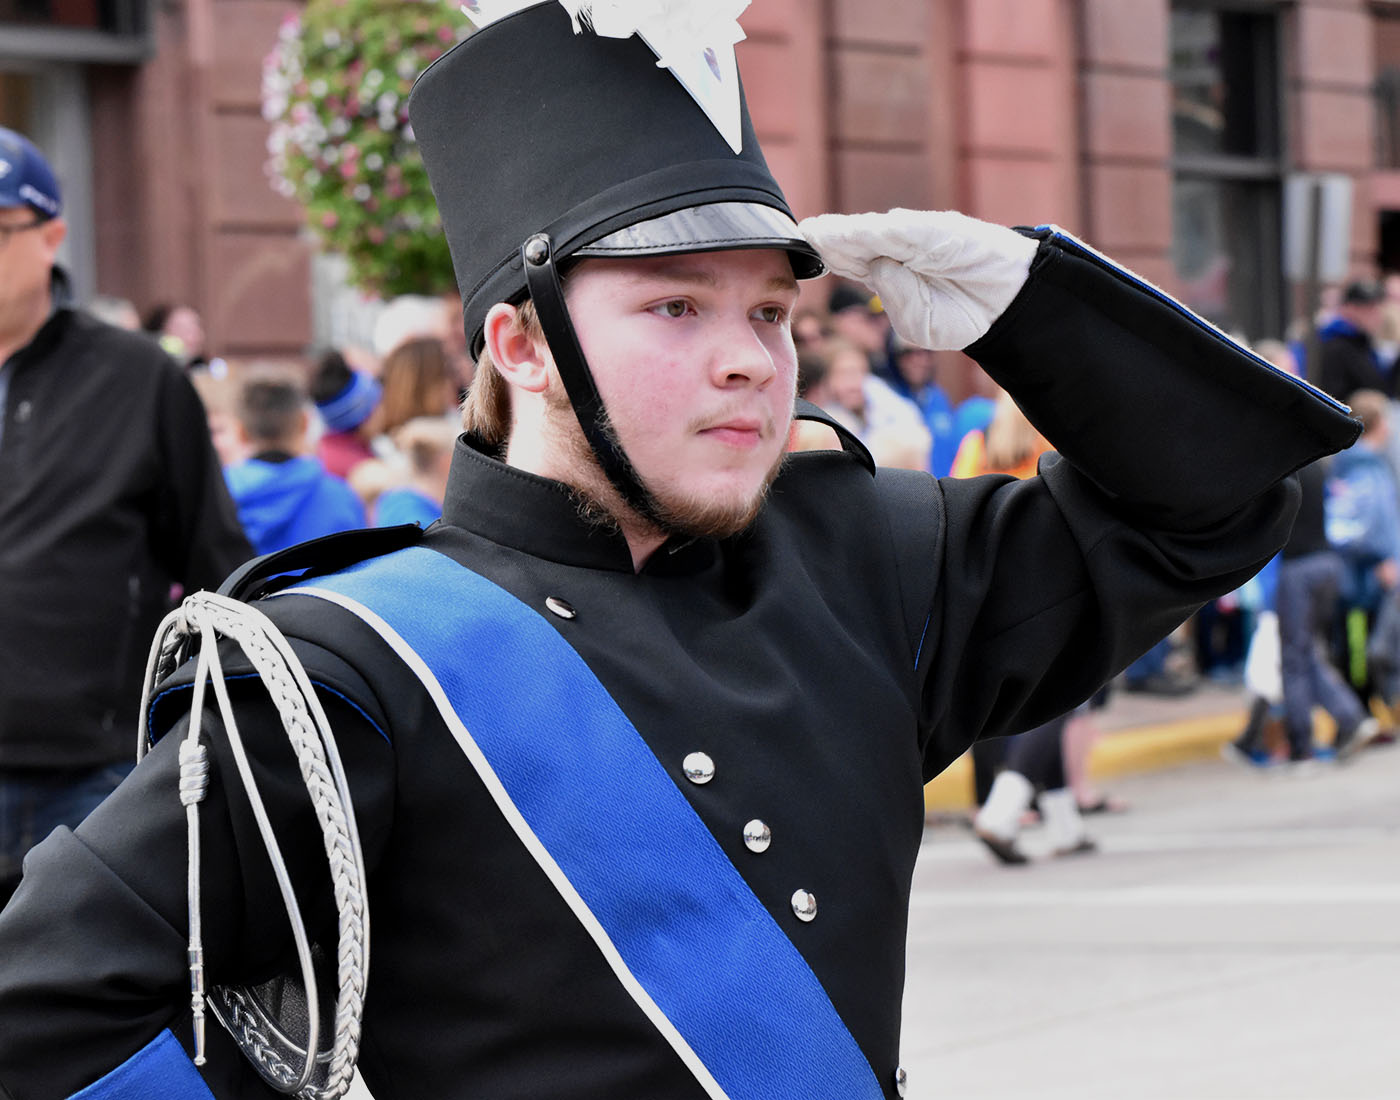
(830, 660)
(110, 493)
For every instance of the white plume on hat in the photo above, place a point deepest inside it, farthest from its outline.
(695, 39)
(710, 23)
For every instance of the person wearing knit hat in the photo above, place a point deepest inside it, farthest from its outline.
(347, 400)
(626, 753)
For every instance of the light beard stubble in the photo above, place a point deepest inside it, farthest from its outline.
(599, 502)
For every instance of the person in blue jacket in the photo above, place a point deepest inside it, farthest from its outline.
(284, 496)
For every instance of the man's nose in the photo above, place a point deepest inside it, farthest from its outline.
(740, 356)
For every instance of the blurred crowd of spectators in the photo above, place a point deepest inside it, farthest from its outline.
(364, 437)
(361, 438)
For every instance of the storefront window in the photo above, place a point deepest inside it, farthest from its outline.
(1226, 249)
(1228, 166)
(75, 30)
(112, 16)
(1387, 89)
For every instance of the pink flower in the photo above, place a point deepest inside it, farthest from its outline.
(445, 34)
(375, 234)
(348, 169)
(329, 220)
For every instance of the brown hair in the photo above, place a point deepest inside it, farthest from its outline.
(271, 403)
(1011, 439)
(415, 376)
(486, 410)
(1371, 407)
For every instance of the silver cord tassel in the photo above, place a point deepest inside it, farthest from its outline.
(211, 617)
(194, 783)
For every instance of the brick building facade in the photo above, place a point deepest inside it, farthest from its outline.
(1160, 131)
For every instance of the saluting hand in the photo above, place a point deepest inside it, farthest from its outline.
(943, 277)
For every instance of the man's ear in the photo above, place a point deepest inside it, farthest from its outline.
(521, 360)
(53, 231)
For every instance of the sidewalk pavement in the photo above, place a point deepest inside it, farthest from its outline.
(1142, 733)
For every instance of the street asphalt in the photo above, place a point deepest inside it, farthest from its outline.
(1236, 937)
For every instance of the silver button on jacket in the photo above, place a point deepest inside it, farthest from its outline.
(699, 768)
(560, 608)
(804, 905)
(757, 836)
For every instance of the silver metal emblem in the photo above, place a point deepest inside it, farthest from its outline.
(901, 1081)
(804, 905)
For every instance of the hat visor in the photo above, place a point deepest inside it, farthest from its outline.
(714, 227)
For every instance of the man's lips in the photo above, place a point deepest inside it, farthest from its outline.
(736, 431)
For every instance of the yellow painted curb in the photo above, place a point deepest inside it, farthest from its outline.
(1124, 752)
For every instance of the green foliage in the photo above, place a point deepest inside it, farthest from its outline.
(335, 89)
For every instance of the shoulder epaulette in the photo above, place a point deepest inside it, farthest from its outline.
(271, 572)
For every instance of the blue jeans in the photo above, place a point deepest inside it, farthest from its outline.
(1308, 589)
(1150, 664)
(35, 803)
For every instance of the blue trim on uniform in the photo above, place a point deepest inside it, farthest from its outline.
(1074, 244)
(612, 817)
(923, 637)
(161, 1070)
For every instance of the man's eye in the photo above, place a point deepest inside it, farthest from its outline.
(771, 314)
(677, 307)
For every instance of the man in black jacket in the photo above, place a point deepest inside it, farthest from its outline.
(635, 738)
(1347, 358)
(110, 493)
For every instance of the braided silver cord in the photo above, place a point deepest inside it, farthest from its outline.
(160, 663)
(324, 1075)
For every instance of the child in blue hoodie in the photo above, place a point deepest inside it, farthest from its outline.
(284, 496)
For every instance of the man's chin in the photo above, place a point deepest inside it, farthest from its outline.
(712, 515)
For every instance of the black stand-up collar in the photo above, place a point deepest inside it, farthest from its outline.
(542, 518)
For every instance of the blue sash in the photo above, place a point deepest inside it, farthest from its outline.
(672, 916)
(161, 1070)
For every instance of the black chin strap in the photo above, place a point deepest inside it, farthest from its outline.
(542, 280)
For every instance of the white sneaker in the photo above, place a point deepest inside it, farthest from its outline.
(1367, 730)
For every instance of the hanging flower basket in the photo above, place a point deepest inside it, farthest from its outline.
(335, 89)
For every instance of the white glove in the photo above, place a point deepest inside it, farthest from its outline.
(943, 277)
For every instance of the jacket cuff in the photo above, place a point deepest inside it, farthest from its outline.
(1160, 409)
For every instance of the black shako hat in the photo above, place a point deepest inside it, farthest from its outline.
(545, 141)
(527, 128)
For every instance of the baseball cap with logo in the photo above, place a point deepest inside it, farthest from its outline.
(26, 178)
